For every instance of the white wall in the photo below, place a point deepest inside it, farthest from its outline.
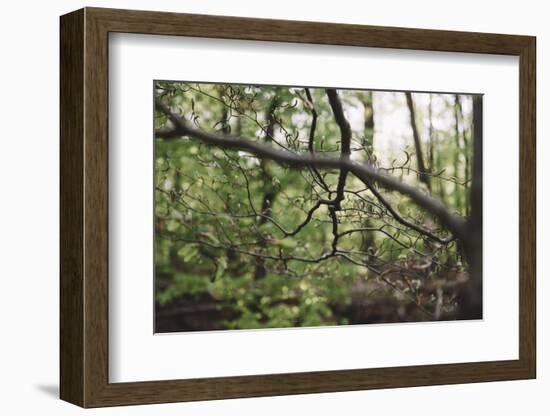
(29, 211)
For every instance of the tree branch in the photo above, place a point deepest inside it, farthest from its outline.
(404, 221)
(345, 143)
(308, 101)
(363, 171)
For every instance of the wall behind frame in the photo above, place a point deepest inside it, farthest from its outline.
(30, 193)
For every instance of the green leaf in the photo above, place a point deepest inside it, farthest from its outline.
(188, 252)
(221, 266)
(287, 243)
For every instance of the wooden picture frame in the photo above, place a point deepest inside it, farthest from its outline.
(84, 207)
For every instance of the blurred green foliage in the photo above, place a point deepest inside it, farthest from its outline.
(219, 243)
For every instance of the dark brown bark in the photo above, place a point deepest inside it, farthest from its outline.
(345, 143)
(471, 297)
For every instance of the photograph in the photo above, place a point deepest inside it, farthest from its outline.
(292, 206)
(257, 203)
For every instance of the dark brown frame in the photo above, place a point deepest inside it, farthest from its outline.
(84, 208)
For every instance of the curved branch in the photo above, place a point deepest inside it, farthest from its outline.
(345, 144)
(306, 221)
(363, 171)
(400, 219)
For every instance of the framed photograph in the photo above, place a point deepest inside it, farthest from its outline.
(255, 207)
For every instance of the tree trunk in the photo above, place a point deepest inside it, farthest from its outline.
(466, 158)
(423, 172)
(367, 245)
(269, 191)
(456, 162)
(471, 298)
